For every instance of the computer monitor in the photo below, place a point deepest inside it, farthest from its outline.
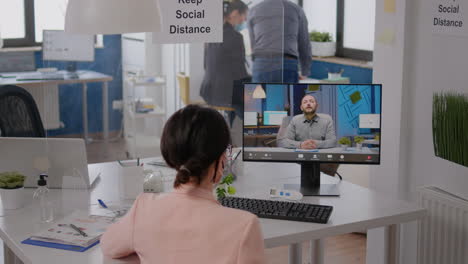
(273, 118)
(250, 118)
(60, 46)
(343, 127)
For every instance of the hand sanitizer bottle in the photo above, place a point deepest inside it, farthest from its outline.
(43, 200)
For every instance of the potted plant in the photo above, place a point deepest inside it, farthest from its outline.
(322, 44)
(358, 140)
(224, 187)
(377, 137)
(345, 142)
(12, 190)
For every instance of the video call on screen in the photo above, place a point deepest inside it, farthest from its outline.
(345, 127)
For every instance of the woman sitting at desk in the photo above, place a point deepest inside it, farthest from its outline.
(188, 225)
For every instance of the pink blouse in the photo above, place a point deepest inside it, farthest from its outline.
(187, 225)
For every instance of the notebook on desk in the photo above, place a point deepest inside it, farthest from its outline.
(63, 233)
(63, 159)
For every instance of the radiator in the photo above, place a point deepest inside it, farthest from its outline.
(47, 101)
(443, 234)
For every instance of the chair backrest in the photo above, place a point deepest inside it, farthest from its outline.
(283, 127)
(19, 116)
(184, 86)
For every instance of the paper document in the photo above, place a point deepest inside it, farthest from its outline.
(61, 233)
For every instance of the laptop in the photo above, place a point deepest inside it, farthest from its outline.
(62, 159)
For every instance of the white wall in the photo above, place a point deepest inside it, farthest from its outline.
(412, 67)
(388, 69)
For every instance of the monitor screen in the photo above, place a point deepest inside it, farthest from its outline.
(274, 118)
(250, 119)
(307, 123)
(60, 46)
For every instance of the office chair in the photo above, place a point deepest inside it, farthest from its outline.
(327, 168)
(184, 86)
(19, 116)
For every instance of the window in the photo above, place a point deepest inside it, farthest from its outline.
(49, 14)
(351, 23)
(22, 21)
(16, 24)
(12, 14)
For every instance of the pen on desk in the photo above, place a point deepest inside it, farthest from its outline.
(78, 230)
(102, 203)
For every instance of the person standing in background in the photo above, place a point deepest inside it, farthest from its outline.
(225, 64)
(279, 39)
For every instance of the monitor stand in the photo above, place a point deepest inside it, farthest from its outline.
(310, 182)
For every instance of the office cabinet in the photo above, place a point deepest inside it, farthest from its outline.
(144, 95)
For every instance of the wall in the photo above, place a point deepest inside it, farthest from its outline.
(319, 70)
(108, 61)
(409, 74)
(390, 178)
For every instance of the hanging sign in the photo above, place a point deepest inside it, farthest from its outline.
(190, 21)
(450, 17)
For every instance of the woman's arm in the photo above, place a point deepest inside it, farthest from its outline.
(117, 241)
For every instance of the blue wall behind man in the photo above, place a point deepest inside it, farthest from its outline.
(108, 60)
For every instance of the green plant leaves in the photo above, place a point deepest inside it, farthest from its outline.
(320, 36)
(344, 141)
(450, 126)
(11, 180)
(358, 139)
(225, 188)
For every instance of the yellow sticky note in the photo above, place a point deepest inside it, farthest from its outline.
(386, 37)
(389, 6)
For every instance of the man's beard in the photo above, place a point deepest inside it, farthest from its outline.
(306, 112)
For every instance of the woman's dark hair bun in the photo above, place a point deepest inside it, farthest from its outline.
(193, 138)
(182, 176)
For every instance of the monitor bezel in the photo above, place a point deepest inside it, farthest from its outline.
(378, 162)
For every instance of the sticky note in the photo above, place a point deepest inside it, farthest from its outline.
(389, 6)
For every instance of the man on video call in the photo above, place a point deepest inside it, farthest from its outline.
(309, 130)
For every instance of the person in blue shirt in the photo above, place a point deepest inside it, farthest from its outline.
(280, 43)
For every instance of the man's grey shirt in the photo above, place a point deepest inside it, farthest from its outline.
(321, 129)
(280, 27)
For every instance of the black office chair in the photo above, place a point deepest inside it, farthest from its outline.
(19, 116)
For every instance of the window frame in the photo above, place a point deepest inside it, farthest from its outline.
(29, 39)
(342, 51)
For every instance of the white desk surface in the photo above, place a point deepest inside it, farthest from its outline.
(356, 209)
(84, 77)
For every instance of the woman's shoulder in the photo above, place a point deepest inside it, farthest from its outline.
(236, 215)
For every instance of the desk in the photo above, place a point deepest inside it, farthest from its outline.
(258, 140)
(85, 77)
(356, 209)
